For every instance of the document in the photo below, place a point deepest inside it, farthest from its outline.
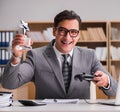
(6, 99)
(60, 101)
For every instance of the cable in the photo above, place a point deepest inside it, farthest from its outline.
(90, 102)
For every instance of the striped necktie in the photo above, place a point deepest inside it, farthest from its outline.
(66, 70)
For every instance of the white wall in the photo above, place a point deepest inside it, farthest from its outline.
(11, 11)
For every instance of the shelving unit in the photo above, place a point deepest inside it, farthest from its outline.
(5, 47)
(114, 45)
(96, 42)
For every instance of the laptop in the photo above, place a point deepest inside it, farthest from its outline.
(115, 102)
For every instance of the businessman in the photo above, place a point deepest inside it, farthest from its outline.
(46, 66)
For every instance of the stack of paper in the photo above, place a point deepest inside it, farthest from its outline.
(6, 99)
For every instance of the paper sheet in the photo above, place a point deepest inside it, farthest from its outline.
(64, 101)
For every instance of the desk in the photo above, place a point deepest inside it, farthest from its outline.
(81, 107)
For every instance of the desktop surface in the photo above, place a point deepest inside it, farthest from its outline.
(82, 106)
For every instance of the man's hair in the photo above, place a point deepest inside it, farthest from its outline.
(66, 15)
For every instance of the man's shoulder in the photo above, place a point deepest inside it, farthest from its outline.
(85, 52)
(84, 49)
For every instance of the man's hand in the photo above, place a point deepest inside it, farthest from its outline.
(17, 54)
(101, 79)
(18, 40)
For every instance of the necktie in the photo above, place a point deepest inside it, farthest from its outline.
(66, 70)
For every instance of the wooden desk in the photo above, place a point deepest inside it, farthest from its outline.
(81, 107)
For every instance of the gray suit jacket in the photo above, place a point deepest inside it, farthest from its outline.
(42, 67)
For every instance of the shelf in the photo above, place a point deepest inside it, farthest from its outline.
(39, 44)
(115, 61)
(92, 44)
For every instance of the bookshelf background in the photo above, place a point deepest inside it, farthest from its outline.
(94, 34)
(88, 26)
(6, 38)
(114, 49)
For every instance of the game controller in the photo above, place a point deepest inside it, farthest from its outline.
(84, 76)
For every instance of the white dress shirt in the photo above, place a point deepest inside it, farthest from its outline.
(60, 57)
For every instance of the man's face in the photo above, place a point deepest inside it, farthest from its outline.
(67, 35)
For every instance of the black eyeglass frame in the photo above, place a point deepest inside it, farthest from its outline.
(64, 32)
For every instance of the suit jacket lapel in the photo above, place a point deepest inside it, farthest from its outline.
(52, 60)
(76, 67)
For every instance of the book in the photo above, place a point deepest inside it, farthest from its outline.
(48, 34)
(114, 53)
(98, 52)
(36, 36)
(103, 53)
(101, 33)
(91, 33)
(85, 35)
(115, 34)
(96, 34)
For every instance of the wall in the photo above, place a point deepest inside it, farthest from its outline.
(11, 11)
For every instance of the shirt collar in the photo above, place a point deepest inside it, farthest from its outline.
(58, 53)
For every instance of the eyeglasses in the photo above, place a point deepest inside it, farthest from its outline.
(63, 32)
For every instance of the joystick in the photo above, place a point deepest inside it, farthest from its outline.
(84, 76)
